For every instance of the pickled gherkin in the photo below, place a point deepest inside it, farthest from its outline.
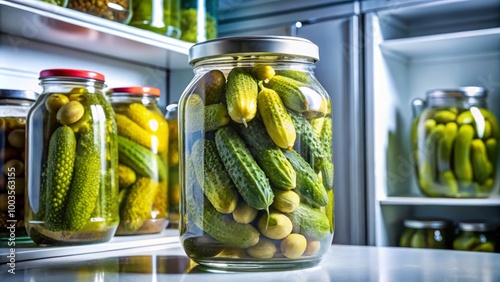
(476, 236)
(426, 233)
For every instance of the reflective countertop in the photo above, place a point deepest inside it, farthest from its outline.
(168, 262)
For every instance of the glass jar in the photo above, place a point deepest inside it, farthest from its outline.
(61, 3)
(160, 16)
(72, 161)
(142, 171)
(426, 233)
(256, 164)
(114, 10)
(199, 20)
(455, 143)
(476, 236)
(14, 107)
(174, 193)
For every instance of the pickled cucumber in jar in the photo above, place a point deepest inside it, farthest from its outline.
(426, 233)
(476, 237)
(455, 144)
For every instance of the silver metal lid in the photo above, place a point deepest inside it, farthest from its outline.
(18, 94)
(476, 226)
(426, 223)
(461, 92)
(260, 45)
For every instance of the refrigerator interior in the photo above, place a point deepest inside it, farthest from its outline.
(409, 50)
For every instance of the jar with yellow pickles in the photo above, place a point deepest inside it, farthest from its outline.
(143, 151)
(72, 155)
(476, 236)
(174, 192)
(255, 155)
(455, 143)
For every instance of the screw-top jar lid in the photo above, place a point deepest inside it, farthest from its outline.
(18, 94)
(476, 226)
(136, 90)
(255, 45)
(71, 73)
(461, 92)
(426, 223)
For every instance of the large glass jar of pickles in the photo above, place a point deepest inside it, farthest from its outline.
(476, 236)
(256, 164)
(14, 107)
(427, 233)
(72, 161)
(455, 143)
(173, 165)
(114, 10)
(143, 151)
(160, 16)
(198, 20)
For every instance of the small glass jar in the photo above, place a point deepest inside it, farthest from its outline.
(426, 233)
(256, 163)
(143, 148)
(476, 236)
(160, 16)
(198, 20)
(72, 161)
(14, 107)
(114, 10)
(174, 193)
(455, 143)
(61, 3)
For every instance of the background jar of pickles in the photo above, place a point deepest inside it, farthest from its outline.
(143, 151)
(455, 143)
(114, 10)
(73, 158)
(14, 107)
(476, 236)
(173, 165)
(256, 168)
(160, 16)
(198, 20)
(427, 233)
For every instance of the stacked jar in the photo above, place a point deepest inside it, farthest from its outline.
(72, 159)
(455, 143)
(173, 165)
(14, 107)
(427, 233)
(476, 236)
(160, 16)
(198, 20)
(256, 164)
(114, 10)
(143, 152)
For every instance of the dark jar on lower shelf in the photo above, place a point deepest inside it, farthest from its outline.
(476, 236)
(426, 233)
(72, 161)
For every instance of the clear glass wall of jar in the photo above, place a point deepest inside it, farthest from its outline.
(476, 236)
(199, 20)
(14, 107)
(256, 165)
(114, 10)
(72, 161)
(143, 153)
(427, 233)
(455, 143)
(160, 16)
(173, 164)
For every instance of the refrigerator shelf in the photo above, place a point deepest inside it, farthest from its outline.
(26, 21)
(420, 201)
(445, 45)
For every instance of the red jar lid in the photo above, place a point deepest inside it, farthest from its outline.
(71, 73)
(139, 90)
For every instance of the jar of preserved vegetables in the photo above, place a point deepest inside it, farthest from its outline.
(173, 165)
(476, 236)
(160, 16)
(256, 164)
(61, 3)
(455, 143)
(427, 233)
(114, 10)
(72, 161)
(14, 107)
(143, 151)
(198, 20)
